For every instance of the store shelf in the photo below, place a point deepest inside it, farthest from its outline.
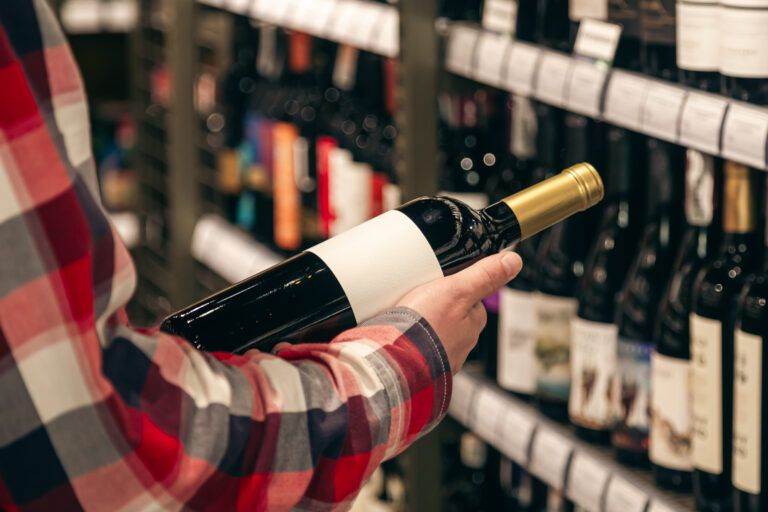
(710, 123)
(366, 25)
(589, 475)
(229, 251)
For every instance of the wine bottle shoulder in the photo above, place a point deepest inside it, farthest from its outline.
(718, 284)
(753, 306)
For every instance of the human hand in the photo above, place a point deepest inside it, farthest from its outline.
(452, 305)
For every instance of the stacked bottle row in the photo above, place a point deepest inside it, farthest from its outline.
(643, 325)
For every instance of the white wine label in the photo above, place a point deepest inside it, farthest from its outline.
(476, 200)
(622, 496)
(747, 411)
(585, 88)
(597, 40)
(553, 345)
(595, 9)
(706, 361)
(699, 188)
(745, 134)
(671, 429)
(549, 456)
(460, 53)
(516, 433)
(554, 70)
(624, 99)
(368, 261)
(744, 39)
(523, 62)
(661, 111)
(587, 480)
(517, 341)
(500, 16)
(698, 36)
(491, 56)
(593, 365)
(702, 121)
(462, 395)
(632, 394)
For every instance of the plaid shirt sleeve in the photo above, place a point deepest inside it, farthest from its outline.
(96, 415)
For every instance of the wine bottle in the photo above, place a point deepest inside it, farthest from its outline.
(711, 333)
(671, 428)
(638, 303)
(519, 489)
(593, 331)
(350, 278)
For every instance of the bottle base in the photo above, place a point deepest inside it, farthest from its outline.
(673, 479)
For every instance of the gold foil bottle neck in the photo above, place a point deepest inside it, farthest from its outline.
(540, 206)
(739, 201)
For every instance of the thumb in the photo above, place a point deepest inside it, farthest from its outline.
(486, 276)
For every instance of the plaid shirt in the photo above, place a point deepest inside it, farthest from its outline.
(97, 415)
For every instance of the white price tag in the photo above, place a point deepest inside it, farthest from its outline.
(549, 457)
(515, 432)
(344, 24)
(624, 99)
(461, 397)
(500, 16)
(553, 74)
(702, 121)
(239, 6)
(745, 134)
(491, 56)
(585, 88)
(275, 12)
(489, 405)
(368, 16)
(597, 40)
(387, 41)
(522, 63)
(624, 497)
(298, 15)
(587, 481)
(657, 506)
(661, 111)
(460, 53)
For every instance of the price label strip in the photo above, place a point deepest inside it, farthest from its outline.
(662, 109)
(464, 388)
(624, 497)
(585, 88)
(367, 16)
(553, 74)
(522, 62)
(624, 99)
(489, 405)
(516, 428)
(549, 457)
(702, 122)
(387, 41)
(316, 17)
(345, 22)
(491, 56)
(587, 481)
(500, 16)
(745, 134)
(459, 58)
(239, 6)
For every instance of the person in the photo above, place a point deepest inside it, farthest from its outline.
(97, 415)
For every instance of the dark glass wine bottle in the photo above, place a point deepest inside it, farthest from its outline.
(711, 333)
(351, 277)
(594, 333)
(638, 302)
(671, 429)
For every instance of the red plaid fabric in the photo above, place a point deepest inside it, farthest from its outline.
(96, 415)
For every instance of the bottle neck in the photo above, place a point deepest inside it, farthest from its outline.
(620, 161)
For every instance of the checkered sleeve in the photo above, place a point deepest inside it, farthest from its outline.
(97, 415)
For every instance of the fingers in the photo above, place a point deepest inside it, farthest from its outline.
(486, 276)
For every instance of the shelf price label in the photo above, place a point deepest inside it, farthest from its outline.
(314, 16)
(489, 405)
(516, 429)
(662, 108)
(702, 122)
(587, 481)
(238, 6)
(624, 99)
(585, 87)
(553, 74)
(491, 55)
(464, 388)
(276, 12)
(549, 456)
(460, 53)
(624, 497)
(597, 40)
(745, 134)
(522, 62)
(348, 23)
(500, 16)
(387, 42)
(368, 21)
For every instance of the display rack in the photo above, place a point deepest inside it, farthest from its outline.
(710, 123)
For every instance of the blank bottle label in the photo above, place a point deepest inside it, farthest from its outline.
(747, 411)
(744, 38)
(698, 36)
(706, 359)
(593, 365)
(553, 345)
(517, 341)
(671, 428)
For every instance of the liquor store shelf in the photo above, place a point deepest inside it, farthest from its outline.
(710, 123)
(589, 475)
(365, 25)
